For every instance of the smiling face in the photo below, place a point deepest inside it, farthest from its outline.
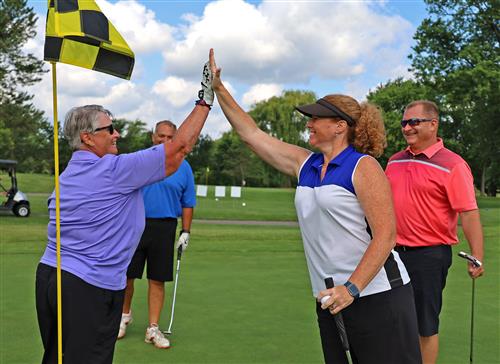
(322, 131)
(420, 137)
(164, 133)
(101, 142)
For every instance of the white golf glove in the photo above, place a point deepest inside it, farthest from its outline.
(183, 241)
(206, 93)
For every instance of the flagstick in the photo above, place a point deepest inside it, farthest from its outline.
(58, 216)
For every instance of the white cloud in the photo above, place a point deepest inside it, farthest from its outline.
(261, 92)
(176, 90)
(138, 25)
(282, 42)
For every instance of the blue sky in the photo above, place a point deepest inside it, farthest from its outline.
(263, 48)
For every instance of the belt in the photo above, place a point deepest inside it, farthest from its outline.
(404, 248)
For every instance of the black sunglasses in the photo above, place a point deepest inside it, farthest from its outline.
(109, 128)
(413, 121)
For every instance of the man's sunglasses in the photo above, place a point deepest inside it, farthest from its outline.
(109, 128)
(413, 121)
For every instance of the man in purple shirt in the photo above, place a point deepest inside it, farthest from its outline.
(102, 219)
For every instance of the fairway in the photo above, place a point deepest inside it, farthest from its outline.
(244, 294)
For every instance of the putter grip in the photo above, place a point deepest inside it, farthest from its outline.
(339, 320)
(476, 262)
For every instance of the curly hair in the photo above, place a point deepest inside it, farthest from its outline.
(367, 134)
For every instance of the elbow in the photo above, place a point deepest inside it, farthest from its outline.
(175, 154)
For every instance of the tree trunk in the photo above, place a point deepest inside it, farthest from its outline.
(483, 181)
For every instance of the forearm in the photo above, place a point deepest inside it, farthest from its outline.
(372, 261)
(473, 231)
(187, 218)
(373, 191)
(285, 157)
(242, 123)
(185, 138)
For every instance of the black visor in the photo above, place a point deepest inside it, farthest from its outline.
(324, 109)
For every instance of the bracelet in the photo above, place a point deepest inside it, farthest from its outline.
(202, 102)
(185, 231)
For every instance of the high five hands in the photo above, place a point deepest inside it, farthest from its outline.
(216, 81)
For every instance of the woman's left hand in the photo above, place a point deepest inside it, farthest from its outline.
(339, 299)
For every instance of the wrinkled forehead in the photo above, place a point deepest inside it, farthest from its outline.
(165, 129)
(416, 111)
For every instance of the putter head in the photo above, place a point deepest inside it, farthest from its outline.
(167, 332)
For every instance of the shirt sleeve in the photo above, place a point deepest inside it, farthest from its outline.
(135, 170)
(189, 195)
(460, 188)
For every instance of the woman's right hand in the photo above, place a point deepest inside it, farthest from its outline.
(216, 81)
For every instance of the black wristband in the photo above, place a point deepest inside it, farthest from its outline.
(352, 289)
(203, 103)
(185, 231)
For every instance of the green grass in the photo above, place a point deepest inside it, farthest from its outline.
(244, 294)
(259, 203)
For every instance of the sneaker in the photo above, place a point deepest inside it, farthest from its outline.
(126, 319)
(155, 336)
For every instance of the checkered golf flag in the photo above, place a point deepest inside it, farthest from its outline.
(78, 33)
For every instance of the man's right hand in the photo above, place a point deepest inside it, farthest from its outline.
(183, 241)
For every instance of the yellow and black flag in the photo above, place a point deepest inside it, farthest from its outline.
(78, 33)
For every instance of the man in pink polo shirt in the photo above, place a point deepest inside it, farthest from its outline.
(431, 187)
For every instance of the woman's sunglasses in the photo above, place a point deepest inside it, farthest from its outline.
(109, 128)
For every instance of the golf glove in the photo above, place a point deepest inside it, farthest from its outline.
(206, 93)
(183, 241)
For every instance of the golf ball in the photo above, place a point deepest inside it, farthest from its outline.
(324, 299)
(216, 199)
(243, 204)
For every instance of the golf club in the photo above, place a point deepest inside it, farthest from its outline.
(339, 321)
(477, 263)
(179, 255)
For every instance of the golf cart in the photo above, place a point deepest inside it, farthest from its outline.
(16, 201)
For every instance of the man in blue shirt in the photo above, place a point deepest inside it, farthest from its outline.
(164, 202)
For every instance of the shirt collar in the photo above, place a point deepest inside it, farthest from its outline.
(430, 151)
(338, 160)
(84, 155)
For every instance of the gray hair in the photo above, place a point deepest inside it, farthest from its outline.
(165, 122)
(82, 119)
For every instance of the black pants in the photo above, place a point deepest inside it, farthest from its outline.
(157, 247)
(428, 268)
(90, 318)
(381, 329)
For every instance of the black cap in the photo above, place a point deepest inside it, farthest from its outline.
(324, 109)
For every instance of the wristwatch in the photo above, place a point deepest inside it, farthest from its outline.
(352, 289)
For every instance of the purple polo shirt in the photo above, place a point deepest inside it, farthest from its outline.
(102, 213)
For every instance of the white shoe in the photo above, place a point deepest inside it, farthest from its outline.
(155, 336)
(126, 319)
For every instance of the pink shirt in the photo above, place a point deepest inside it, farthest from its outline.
(429, 190)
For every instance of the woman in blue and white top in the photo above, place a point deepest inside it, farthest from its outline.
(346, 218)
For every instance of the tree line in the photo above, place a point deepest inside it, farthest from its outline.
(455, 62)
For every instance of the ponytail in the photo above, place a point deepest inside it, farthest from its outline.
(368, 135)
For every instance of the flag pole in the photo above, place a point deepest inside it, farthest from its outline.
(58, 215)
